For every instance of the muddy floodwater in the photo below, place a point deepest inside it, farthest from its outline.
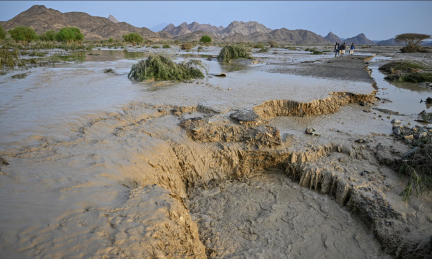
(96, 165)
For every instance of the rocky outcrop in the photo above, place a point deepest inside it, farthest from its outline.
(185, 28)
(359, 40)
(113, 19)
(244, 28)
(332, 38)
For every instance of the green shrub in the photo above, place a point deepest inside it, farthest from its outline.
(411, 78)
(23, 34)
(404, 66)
(47, 36)
(110, 40)
(259, 45)
(186, 46)
(8, 57)
(2, 33)
(155, 46)
(133, 38)
(166, 46)
(200, 49)
(316, 52)
(159, 67)
(205, 39)
(69, 35)
(264, 49)
(229, 53)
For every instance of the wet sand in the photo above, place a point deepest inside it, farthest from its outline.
(134, 184)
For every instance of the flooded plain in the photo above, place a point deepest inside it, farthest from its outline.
(94, 156)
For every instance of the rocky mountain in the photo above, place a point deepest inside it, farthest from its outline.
(196, 36)
(244, 28)
(389, 42)
(185, 28)
(359, 40)
(113, 19)
(332, 38)
(281, 36)
(42, 19)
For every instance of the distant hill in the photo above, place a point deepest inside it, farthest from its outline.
(281, 36)
(389, 42)
(359, 40)
(332, 38)
(185, 28)
(244, 28)
(113, 19)
(196, 36)
(42, 19)
(158, 27)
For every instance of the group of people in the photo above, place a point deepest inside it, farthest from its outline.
(340, 49)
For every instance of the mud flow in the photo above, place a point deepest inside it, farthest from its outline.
(271, 161)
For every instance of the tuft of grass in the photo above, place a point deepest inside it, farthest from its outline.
(19, 76)
(411, 77)
(316, 52)
(155, 47)
(8, 57)
(404, 66)
(159, 67)
(108, 70)
(166, 46)
(200, 49)
(229, 53)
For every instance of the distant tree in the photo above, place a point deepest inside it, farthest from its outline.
(205, 39)
(23, 34)
(412, 41)
(2, 33)
(133, 38)
(110, 40)
(47, 36)
(69, 34)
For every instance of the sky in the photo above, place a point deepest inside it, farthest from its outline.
(377, 20)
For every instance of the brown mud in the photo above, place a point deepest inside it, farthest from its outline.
(192, 181)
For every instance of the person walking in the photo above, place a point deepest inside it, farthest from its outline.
(352, 48)
(343, 47)
(336, 49)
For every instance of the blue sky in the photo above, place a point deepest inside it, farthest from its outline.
(378, 20)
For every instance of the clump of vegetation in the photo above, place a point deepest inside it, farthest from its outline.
(262, 50)
(108, 70)
(229, 53)
(186, 46)
(19, 76)
(2, 33)
(155, 47)
(410, 78)
(291, 48)
(166, 46)
(258, 46)
(200, 49)
(23, 34)
(418, 164)
(69, 35)
(8, 57)
(412, 41)
(205, 39)
(110, 40)
(37, 53)
(133, 38)
(403, 66)
(273, 44)
(316, 52)
(160, 67)
(47, 36)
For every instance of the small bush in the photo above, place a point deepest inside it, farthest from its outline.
(205, 39)
(133, 38)
(264, 49)
(2, 33)
(316, 52)
(110, 40)
(273, 44)
(200, 49)
(404, 66)
(166, 46)
(19, 76)
(159, 67)
(259, 45)
(108, 70)
(155, 46)
(23, 34)
(229, 53)
(186, 46)
(69, 35)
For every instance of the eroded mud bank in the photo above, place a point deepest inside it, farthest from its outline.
(192, 181)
